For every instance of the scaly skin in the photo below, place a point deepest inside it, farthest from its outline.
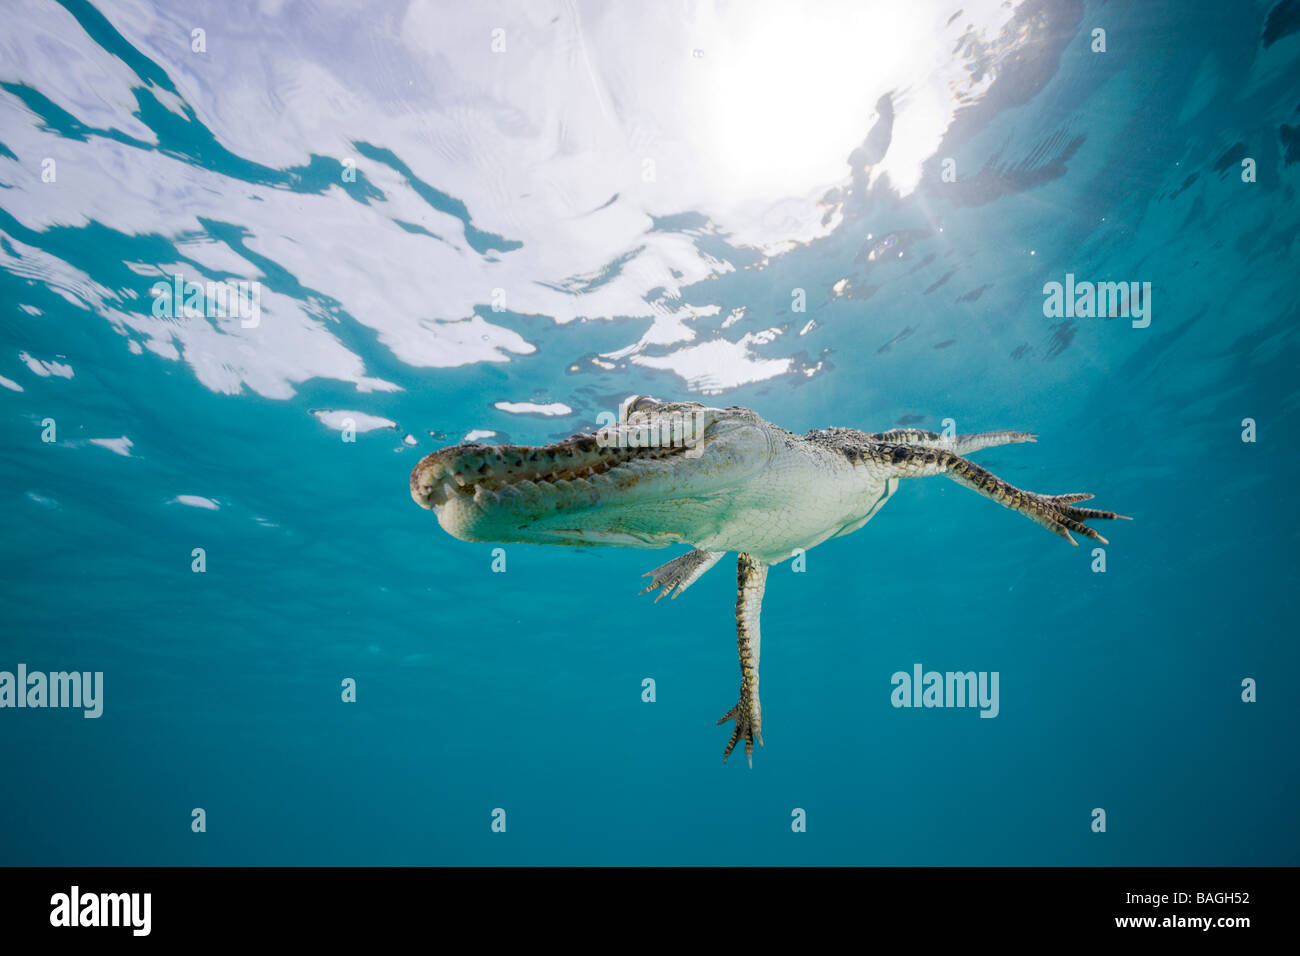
(736, 483)
(751, 580)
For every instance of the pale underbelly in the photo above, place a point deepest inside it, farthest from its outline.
(775, 534)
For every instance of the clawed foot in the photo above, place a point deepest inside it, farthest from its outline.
(1057, 513)
(680, 573)
(749, 725)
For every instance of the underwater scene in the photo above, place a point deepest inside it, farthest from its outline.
(360, 360)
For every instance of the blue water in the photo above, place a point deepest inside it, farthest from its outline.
(522, 690)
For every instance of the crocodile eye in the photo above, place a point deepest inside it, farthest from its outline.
(639, 404)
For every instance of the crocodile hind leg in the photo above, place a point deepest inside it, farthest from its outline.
(957, 444)
(751, 578)
(680, 573)
(1056, 513)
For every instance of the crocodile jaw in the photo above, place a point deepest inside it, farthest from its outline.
(597, 489)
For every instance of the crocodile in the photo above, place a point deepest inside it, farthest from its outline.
(720, 480)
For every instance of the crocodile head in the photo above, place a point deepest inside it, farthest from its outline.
(666, 473)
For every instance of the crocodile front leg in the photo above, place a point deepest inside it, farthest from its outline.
(680, 573)
(751, 579)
